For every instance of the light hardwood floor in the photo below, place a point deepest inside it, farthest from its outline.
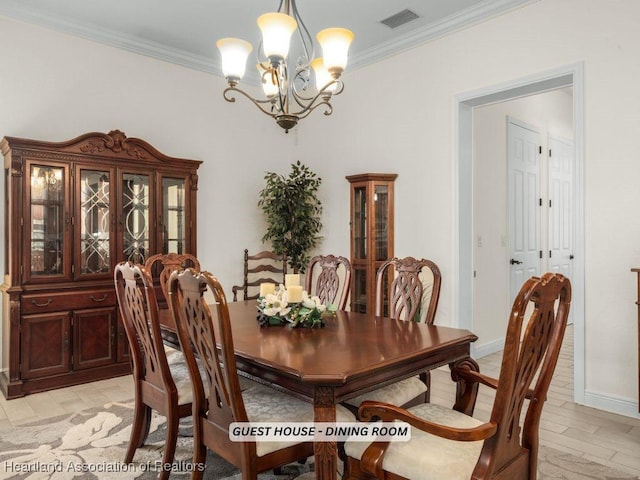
(599, 436)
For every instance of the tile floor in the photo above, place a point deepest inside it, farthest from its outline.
(602, 437)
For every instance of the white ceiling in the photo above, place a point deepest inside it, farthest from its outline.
(185, 31)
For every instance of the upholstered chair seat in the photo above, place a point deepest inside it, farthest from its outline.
(264, 404)
(426, 456)
(399, 393)
(180, 374)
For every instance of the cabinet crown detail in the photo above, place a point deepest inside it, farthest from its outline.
(114, 140)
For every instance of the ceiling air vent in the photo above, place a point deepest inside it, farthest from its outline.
(400, 18)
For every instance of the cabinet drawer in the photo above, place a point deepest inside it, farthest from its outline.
(51, 302)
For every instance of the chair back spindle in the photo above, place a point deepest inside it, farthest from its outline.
(406, 296)
(261, 267)
(332, 283)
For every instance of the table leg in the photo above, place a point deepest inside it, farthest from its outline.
(326, 453)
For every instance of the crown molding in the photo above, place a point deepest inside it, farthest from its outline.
(112, 38)
(131, 43)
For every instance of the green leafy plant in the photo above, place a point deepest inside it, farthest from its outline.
(292, 212)
(275, 309)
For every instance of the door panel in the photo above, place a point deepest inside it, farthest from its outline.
(561, 160)
(524, 203)
(45, 345)
(94, 337)
(560, 201)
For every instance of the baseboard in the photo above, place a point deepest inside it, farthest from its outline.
(611, 404)
(479, 351)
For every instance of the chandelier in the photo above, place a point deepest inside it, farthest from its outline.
(291, 94)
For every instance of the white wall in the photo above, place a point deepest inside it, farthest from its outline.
(550, 113)
(399, 115)
(394, 116)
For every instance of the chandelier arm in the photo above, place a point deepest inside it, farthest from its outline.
(340, 88)
(311, 106)
(257, 103)
(328, 111)
(306, 102)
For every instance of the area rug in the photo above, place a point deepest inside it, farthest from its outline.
(91, 445)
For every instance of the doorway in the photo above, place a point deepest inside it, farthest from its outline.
(466, 285)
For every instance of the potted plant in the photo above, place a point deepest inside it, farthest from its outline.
(292, 212)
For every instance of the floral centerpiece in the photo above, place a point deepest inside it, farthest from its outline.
(277, 309)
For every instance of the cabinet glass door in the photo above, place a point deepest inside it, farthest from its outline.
(359, 227)
(47, 252)
(173, 215)
(95, 221)
(381, 199)
(359, 294)
(135, 217)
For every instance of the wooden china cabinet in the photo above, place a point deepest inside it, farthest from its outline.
(74, 210)
(371, 234)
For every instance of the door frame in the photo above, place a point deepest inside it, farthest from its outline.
(568, 75)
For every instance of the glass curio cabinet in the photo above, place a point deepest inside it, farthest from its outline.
(73, 211)
(371, 234)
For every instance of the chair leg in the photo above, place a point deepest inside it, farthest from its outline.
(169, 445)
(139, 429)
(199, 452)
(146, 425)
(426, 378)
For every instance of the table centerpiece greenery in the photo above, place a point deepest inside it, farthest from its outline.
(276, 309)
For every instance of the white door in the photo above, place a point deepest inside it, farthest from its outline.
(560, 206)
(524, 203)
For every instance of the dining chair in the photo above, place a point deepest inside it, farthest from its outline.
(162, 265)
(160, 376)
(261, 267)
(199, 338)
(329, 277)
(449, 444)
(406, 289)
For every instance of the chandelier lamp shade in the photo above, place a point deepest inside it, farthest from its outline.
(292, 90)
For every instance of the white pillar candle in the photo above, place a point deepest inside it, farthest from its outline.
(294, 294)
(291, 279)
(267, 288)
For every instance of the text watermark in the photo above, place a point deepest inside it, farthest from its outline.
(319, 431)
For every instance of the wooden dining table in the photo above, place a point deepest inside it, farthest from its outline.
(351, 354)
